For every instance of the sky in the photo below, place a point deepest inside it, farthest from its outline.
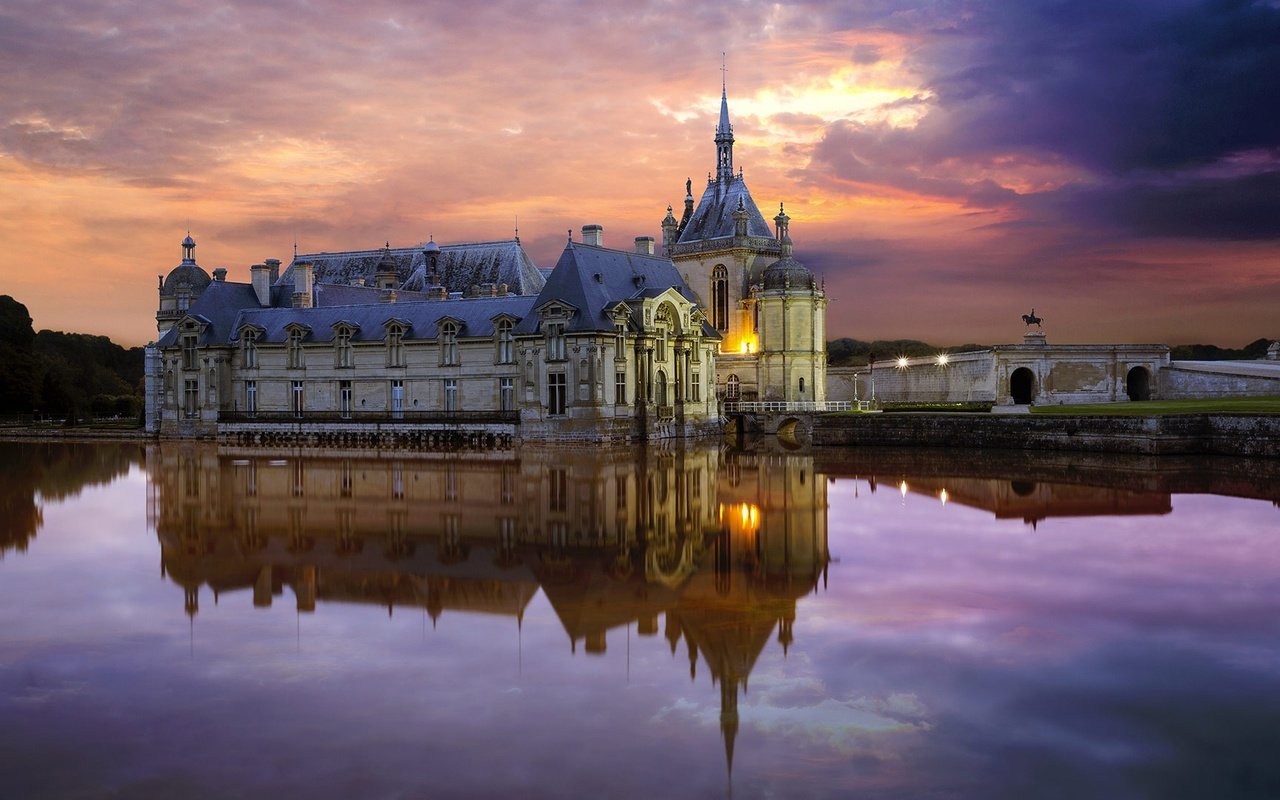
(948, 165)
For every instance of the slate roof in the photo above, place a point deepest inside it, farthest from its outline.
(476, 316)
(713, 217)
(460, 267)
(595, 279)
(218, 305)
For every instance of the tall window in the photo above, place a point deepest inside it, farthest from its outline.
(251, 397)
(191, 398)
(249, 349)
(295, 348)
(449, 343)
(662, 344)
(507, 394)
(506, 342)
(556, 393)
(720, 298)
(620, 341)
(555, 341)
(342, 341)
(344, 398)
(450, 394)
(397, 399)
(395, 346)
(620, 388)
(189, 359)
(296, 395)
(696, 386)
(733, 389)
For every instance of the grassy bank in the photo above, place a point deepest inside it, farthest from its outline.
(1152, 408)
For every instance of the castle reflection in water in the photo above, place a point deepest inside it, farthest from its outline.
(720, 545)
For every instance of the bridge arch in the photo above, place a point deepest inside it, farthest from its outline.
(1137, 384)
(1022, 386)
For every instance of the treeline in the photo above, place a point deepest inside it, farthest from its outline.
(1256, 349)
(64, 375)
(854, 352)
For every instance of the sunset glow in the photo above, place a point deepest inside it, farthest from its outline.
(987, 157)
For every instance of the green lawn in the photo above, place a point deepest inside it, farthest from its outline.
(1229, 405)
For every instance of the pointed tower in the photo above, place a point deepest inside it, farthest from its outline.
(724, 137)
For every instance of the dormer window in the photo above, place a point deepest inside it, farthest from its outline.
(448, 343)
(294, 348)
(342, 345)
(249, 348)
(555, 341)
(395, 346)
(190, 359)
(620, 341)
(506, 342)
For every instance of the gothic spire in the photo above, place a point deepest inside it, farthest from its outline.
(724, 133)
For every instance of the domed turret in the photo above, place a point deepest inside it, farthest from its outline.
(787, 273)
(180, 288)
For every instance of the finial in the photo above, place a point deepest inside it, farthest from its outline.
(571, 234)
(724, 69)
(517, 217)
(780, 208)
(387, 244)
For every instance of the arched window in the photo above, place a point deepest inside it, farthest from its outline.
(733, 389)
(720, 298)
(448, 343)
(506, 342)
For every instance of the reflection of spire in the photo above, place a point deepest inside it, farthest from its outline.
(729, 724)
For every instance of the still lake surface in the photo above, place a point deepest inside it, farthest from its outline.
(189, 621)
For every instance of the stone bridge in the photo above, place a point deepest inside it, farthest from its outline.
(791, 422)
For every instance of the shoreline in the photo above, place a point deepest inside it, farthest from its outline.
(1247, 435)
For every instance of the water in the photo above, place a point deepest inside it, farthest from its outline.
(183, 621)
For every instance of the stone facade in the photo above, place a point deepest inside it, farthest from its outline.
(611, 347)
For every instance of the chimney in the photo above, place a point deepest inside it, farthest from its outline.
(220, 274)
(437, 293)
(273, 267)
(387, 296)
(503, 290)
(261, 283)
(302, 285)
(644, 245)
(593, 235)
(488, 290)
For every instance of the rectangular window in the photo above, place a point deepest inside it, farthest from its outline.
(344, 398)
(450, 394)
(191, 398)
(251, 397)
(507, 394)
(296, 394)
(620, 388)
(620, 341)
(696, 386)
(662, 346)
(397, 399)
(556, 393)
(189, 357)
(555, 341)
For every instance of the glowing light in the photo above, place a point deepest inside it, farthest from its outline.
(902, 487)
(902, 362)
(943, 359)
(943, 496)
(743, 518)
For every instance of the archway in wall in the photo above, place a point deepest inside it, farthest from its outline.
(1138, 384)
(1022, 386)
(660, 388)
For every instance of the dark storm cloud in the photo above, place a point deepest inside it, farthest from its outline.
(1140, 96)
(1113, 86)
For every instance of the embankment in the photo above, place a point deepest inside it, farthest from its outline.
(1183, 434)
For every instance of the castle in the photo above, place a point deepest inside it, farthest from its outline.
(452, 343)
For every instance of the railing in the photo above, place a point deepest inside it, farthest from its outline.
(371, 417)
(666, 413)
(783, 407)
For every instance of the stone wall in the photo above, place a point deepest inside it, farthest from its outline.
(1190, 380)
